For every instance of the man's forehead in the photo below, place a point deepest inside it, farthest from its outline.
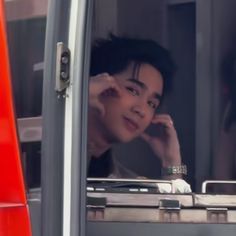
(138, 82)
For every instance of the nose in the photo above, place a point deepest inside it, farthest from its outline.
(139, 110)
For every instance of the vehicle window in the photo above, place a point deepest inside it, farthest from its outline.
(201, 102)
(26, 25)
(201, 96)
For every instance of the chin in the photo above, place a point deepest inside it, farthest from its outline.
(122, 136)
(125, 138)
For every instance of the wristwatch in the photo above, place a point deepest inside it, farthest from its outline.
(173, 170)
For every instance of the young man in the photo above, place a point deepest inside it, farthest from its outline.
(128, 80)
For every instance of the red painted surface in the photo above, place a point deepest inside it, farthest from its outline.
(14, 221)
(14, 215)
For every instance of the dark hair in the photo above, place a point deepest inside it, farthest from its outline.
(113, 55)
(229, 79)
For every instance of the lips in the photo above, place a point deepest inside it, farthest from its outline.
(130, 125)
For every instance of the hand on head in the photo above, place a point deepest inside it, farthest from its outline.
(165, 144)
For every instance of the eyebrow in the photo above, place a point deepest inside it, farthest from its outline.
(143, 86)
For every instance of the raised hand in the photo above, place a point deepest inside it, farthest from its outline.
(100, 86)
(165, 144)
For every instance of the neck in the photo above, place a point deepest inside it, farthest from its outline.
(97, 143)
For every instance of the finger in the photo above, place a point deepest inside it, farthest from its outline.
(145, 137)
(114, 88)
(163, 116)
(165, 124)
(102, 82)
(163, 119)
(111, 91)
(99, 76)
(101, 109)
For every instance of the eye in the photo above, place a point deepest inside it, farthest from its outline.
(133, 91)
(153, 105)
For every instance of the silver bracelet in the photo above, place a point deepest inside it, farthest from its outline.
(173, 170)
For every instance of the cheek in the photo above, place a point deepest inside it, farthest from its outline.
(113, 110)
(117, 103)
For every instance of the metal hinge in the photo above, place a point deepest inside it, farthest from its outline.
(217, 215)
(62, 67)
(96, 208)
(169, 210)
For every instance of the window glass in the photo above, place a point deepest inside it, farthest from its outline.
(26, 25)
(201, 99)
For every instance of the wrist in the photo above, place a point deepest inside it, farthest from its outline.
(166, 162)
(174, 170)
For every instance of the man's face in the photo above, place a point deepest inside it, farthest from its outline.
(130, 113)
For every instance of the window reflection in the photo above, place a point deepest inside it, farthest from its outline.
(225, 162)
(26, 25)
